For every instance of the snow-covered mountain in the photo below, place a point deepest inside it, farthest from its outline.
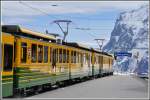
(130, 34)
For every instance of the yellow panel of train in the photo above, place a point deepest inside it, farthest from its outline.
(32, 59)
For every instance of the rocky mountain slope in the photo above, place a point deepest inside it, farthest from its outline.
(130, 34)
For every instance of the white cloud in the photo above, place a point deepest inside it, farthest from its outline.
(16, 10)
(16, 20)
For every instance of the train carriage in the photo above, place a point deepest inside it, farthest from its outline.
(32, 60)
(80, 61)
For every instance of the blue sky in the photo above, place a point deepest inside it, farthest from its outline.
(99, 16)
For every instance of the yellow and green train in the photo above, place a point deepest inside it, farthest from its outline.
(31, 60)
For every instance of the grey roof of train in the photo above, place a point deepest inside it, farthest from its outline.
(74, 44)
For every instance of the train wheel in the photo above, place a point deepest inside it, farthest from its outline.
(23, 92)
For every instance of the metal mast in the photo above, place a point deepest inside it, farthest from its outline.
(100, 42)
(67, 23)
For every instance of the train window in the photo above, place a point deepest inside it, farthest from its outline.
(53, 57)
(98, 59)
(40, 53)
(91, 59)
(87, 58)
(23, 52)
(84, 58)
(67, 56)
(74, 56)
(14, 51)
(8, 57)
(81, 59)
(101, 61)
(60, 55)
(64, 56)
(95, 59)
(71, 56)
(50, 54)
(77, 57)
(45, 54)
(109, 62)
(57, 55)
(104, 60)
(34, 53)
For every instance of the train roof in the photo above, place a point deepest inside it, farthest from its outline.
(16, 29)
(78, 45)
(81, 46)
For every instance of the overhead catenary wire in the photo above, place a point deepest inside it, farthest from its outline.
(76, 26)
(99, 19)
(34, 8)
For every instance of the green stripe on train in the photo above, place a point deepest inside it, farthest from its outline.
(7, 88)
(40, 81)
(7, 76)
(27, 78)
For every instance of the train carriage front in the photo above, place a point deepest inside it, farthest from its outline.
(7, 64)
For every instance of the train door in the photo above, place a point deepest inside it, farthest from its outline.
(7, 64)
(81, 60)
(109, 64)
(92, 60)
(53, 57)
(101, 64)
(89, 64)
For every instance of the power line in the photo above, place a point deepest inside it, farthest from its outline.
(84, 30)
(100, 19)
(87, 18)
(25, 4)
(89, 29)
